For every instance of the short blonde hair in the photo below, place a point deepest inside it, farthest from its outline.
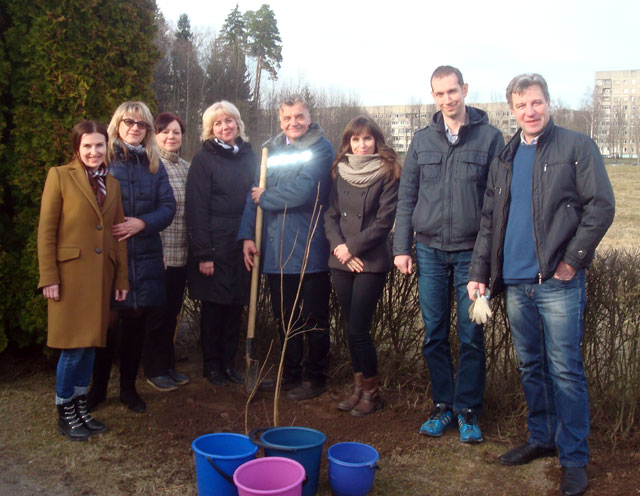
(210, 115)
(141, 112)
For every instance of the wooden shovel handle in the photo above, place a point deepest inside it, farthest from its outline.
(255, 273)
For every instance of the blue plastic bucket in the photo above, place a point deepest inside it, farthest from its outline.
(301, 444)
(352, 468)
(217, 458)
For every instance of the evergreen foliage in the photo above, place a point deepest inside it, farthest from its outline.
(68, 60)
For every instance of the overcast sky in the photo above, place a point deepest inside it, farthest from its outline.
(385, 55)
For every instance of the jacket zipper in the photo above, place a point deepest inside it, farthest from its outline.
(132, 238)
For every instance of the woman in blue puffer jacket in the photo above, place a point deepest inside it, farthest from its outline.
(149, 207)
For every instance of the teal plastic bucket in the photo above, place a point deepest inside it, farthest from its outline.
(301, 444)
(217, 458)
(352, 468)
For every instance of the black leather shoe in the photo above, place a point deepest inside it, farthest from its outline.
(306, 391)
(133, 401)
(286, 384)
(574, 481)
(216, 378)
(233, 375)
(524, 454)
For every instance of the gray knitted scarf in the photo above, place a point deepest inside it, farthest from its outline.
(361, 170)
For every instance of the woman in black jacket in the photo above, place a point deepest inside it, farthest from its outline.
(361, 212)
(219, 179)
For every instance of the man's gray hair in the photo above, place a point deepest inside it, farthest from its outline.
(292, 100)
(523, 81)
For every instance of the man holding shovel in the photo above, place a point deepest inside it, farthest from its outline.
(295, 251)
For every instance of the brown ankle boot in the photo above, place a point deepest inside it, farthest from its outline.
(349, 403)
(371, 400)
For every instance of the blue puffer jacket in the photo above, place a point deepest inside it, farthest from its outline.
(148, 197)
(293, 176)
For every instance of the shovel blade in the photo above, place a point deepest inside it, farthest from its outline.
(252, 369)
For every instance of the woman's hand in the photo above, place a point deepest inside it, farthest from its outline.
(130, 227)
(206, 268)
(52, 292)
(121, 294)
(248, 251)
(342, 253)
(355, 265)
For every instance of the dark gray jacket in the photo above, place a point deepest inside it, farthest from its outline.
(362, 218)
(573, 205)
(442, 185)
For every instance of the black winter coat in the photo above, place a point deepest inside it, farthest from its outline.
(217, 185)
(573, 205)
(362, 218)
(442, 185)
(148, 197)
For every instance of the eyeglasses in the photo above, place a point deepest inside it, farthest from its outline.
(131, 123)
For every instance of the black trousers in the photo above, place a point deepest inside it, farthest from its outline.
(134, 325)
(310, 320)
(358, 295)
(159, 354)
(219, 331)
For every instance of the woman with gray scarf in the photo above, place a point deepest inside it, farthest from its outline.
(360, 216)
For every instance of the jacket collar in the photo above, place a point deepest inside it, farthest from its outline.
(79, 176)
(511, 147)
(475, 117)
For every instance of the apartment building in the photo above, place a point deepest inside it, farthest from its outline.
(617, 122)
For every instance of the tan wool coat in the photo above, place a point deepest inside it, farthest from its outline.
(77, 251)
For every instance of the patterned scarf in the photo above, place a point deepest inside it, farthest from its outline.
(97, 181)
(361, 170)
(233, 148)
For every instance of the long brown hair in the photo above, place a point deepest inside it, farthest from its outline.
(87, 127)
(361, 125)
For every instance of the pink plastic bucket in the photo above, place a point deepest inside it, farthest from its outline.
(272, 476)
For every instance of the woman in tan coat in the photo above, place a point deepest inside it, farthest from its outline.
(82, 265)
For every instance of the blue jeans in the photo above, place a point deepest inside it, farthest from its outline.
(438, 272)
(73, 373)
(547, 326)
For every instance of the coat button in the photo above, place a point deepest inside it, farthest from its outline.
(98, 251)
(359, 216)
(581, 253)
(99, 227)
(344, 214)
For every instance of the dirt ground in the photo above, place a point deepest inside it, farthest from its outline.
(151, 453)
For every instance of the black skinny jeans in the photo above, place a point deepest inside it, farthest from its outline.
(358, 295)
(311, 320)
(134, 325)
(159, 354)
(219, 331)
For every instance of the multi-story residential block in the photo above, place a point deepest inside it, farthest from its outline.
(616, 100)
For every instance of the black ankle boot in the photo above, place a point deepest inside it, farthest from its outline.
(91, 424)
(131, 398)
(70, 424)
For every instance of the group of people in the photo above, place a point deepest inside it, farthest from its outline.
(525, 218)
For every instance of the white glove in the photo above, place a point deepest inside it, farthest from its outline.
(480, 311)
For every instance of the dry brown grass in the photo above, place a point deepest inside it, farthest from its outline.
(625, 230)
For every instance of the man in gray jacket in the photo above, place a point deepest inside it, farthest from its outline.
(440, 198)
(548, 204)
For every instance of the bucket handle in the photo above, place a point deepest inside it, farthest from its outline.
(254, 437)
(220, 471)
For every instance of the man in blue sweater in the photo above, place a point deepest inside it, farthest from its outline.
(440, 199)
(548, 203)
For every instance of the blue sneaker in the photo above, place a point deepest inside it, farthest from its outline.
(468, 425)
(440, 420)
